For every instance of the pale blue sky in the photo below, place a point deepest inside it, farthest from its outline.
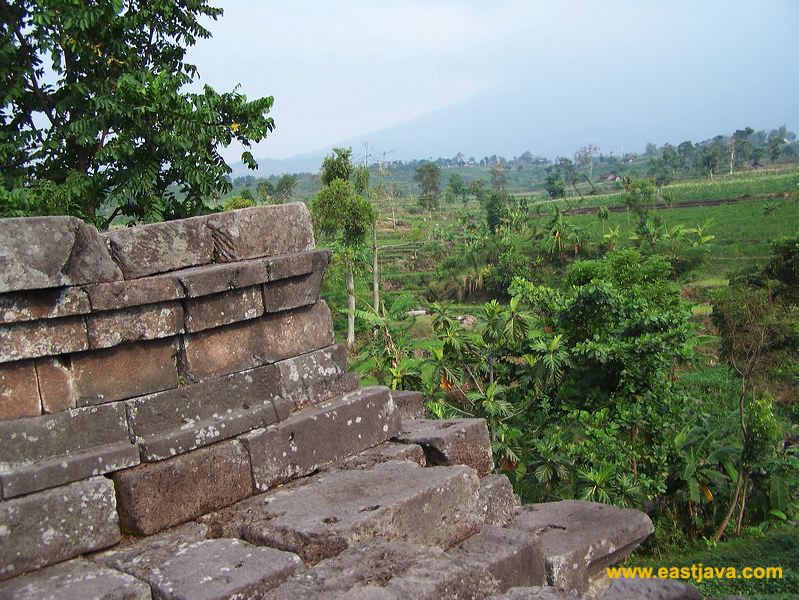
(340, 70)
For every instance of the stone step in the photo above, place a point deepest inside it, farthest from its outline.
(57, 524)
(513, 557)
(319, 435)
(179, 420)
(410, 404)
(154, 496)
(319, 517)
(382, 570)
(381, 453)
(76, 579)
(543, 592)
(650, 589)
(311, 378)
(256, 342)
(176, 421)
(184, 566)
(579, 539)
(499, 499)
(451, 442)
(37, 453)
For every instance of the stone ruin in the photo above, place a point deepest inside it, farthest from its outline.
(177, 422)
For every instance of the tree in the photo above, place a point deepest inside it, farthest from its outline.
(264, 190)
(498, 175)
(284, 187)
(740, 148)
(584, 157)
(495, 208)
(346, 217)
(686, 153)
(428, 176)
(95, 111)
(710, 158)
(553, 183)
(457, 185)
(569, 173)
(360, 179)
(477, 189)
(337, 166)
(638, 195)
(775, 144)
(751, 326)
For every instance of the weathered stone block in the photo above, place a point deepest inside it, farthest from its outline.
(160, 247)
(155, 496)
(32, 339)
(542, 592)
(32, 305)
(293, 265)
(76, 579)
(499, 499)
(379, 454)
(212, 279)
(48, 252)
(513, 557)
(319, 517)
(250, 344)
(388, 571)
(137, 556)
(43, 452)
(107, 329)
(56, 388)
(581, 538)
(179, 420)
(55, 525)
(19, 393)
(137, 292)
(300, 290)
(298, 331)
(217, 570)
(224, 308)
(312, 378)
(124, 371)
(331, 431)
(451, 442)
(410, 404)
(261, 231)
(651, 589)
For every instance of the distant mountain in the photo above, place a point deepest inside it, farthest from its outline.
(619, 111)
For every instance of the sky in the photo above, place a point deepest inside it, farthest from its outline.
(356, 71)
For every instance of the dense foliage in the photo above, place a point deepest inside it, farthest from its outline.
(95, 119)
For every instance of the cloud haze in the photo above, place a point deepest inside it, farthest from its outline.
(339, 71)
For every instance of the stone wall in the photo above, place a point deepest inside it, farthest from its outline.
(131, 354)
(177, 422)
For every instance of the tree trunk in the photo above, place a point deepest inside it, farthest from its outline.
(375, 271)
(744, 446)
(733, 504)
(742, 512)
(350, 306)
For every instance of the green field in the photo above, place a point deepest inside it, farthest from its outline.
(775, 549)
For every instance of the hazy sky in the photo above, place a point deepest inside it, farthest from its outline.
(339, 70)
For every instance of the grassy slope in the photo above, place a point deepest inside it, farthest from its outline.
(778, 548)
(743, 231)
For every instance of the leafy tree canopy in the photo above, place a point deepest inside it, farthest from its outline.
(340, 213)
(95, 113)
(337, 166)
(428, 176)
